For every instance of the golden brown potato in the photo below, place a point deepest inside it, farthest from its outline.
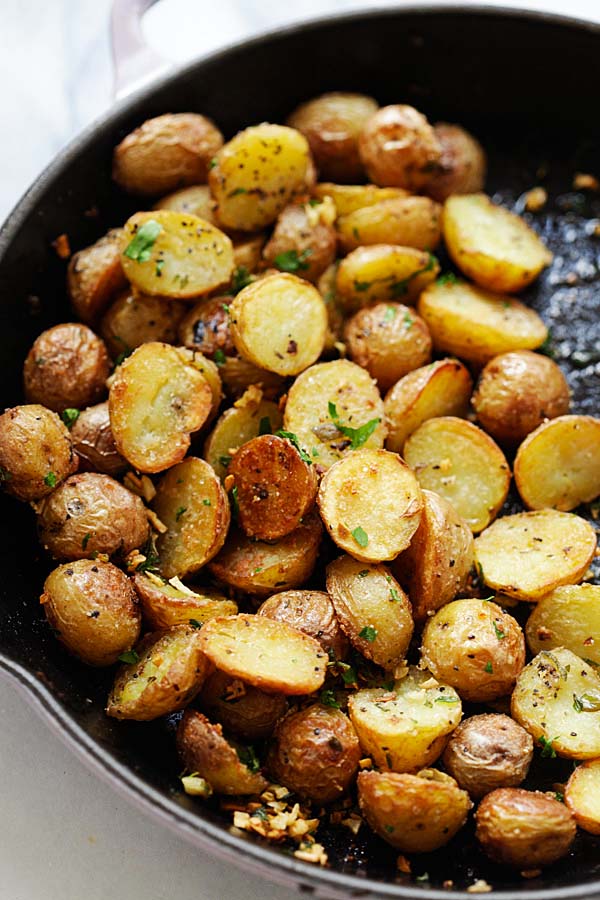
(462, 463)
(210, 372)
(567, 617)
(462, 166)
(331, 123)
(435, 566)
(206, 328)
(558, 464)
(205, 751)
(349, 197)
(407, 221)
(388, 340)
(304, 239)
(414, 813)
(582, 796)
(238, 374)
(275, 486)
(311, 612)
(248, 416)
(242, 709)
(371, 504)
(93, 610)
(475, 646)
(491, 245)
(315, 753)
(518, 391)
(135, 319)
(487, 752)
(524, 829)
(67, 367)
(167, 670)
(196, 200)
(372, 609)
(398, 147)
(94, 444)
(165, 153)
(95, 276)
(383, 272)
(529, 554)
(165, 604)
(90, 514)
(268, 654)
(442, 388)
(36, 451)
(335, 316)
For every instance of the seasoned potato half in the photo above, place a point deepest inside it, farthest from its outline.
(205, 751)
(196, 200)
(567, 617)
(94, 444)
(349, 197)
(405, 728)
(442, 388)
(558, 465)
(175, 254)
(268, 654)
(279, 323)
(491, 245)
(95, 276)
(192, 505)
(398, 147)
(557, 699)
(372, 609)
(167, 673)
(210, 372)
(240, 424)
(582, 796)
(332, 408)
(371, 504)
(383, 272)
(461, 463)
(135, 319)
(311, 612)
(408, 221)
(238, 374)
(475, 324)
(156, 400)
(304, 239)
(435, 566)
(165, 604)
(257, 173)
(462, 165)
(206, 328)
(335, 316)
(414, 813)
(529, 554)
(242, 709)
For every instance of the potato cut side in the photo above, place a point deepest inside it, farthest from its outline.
(210, 371)
(405, 728)
(557, 699)
(475, 324)
(193, 506)
(407, 221)
(558, 464)
(279, 323)
(156, 400)
(371, 504)
(529, 554)
(568, 617)
(175, 254)
(461, 463)
(270, 655)
(490, 244)
(196, 200)
(350, 197)
(164, 604)
(582, 796)
(246, 419)
(384, 272)
(372, 609)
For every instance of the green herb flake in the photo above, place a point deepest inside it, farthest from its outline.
(423, 877)
(195, 623)
(225, 308)
(314, 453)
(358, 436)
(447, 278)
(248, 757)
(219, 358)
(160, 264)
(50, 479)
(140, 247)
(499, 633)
(240, 279)
(237, 191)
(349, 675)
(225, 460)
(292, 261)
(588, 702)
(389, 829)
(85, 540)
(130, 657)
(180, 512)
(489, 668)
(265, 426)
(314, 201)
(400, 288)
(390, 313)
(394, 595)
(70, 416)
(212, 163)
(206, 502)
(235, 508)
(446, 700)
(548, 751)
(408, 319)
(257, 570)
(290, 436)
(360, 536)
(150, 564)
(361, 286)
(363, 573)
(368, 633)
(559, 796)
(328, 698)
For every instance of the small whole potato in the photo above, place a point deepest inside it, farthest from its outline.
(206, 328)
(487, 752)
(399, 148)
(462, 165)
(315, 753)
(304, 239)
(311, 612)
(518, 391)
(242, 709)
(90, 514)
(93, 610)
(95, 276)
(389, 340)
(67, 367)
(94, 443)
(134, 319)
(525, 829)
(36, 451)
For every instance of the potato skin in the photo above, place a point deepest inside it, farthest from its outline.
(165, 153)
(568, 617)
(399, 148)
(487, 752)
(311, 612)
(315, 753)
(90, 514)
(34, 444)
(94, 444)
(164, 605)
(242, 709)
(314, 242)
(93, 610)
(67, 367)
(95, 276)
(408, 221)
(206, 327)
(524, 829)
(134, 319)
(382, 273)
(462, 166)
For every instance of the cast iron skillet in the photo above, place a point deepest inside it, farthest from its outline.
(526, 84)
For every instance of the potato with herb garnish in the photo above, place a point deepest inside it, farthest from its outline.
(408, 221)
(167, 603)
(135, 319)
(304, 240)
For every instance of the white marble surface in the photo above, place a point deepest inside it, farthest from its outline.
(65, 835)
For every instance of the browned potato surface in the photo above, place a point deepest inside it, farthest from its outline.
(196, 200)
(582, 796)
(239, 424)
(165, 604)
(94, 444)
(567, 617)
(462, 165)
(135, 319)
(95, 276)
(398, 147)
(36, 451)
(408, 221)
(349, 197)
(241, 708)
(311, 612)
(303, 240)
(206, 327)
(382, 273)
(239, 374)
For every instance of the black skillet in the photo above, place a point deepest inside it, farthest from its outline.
(527, 85)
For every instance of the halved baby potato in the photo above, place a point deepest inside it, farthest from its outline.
(384, 272)
(242, 709)
(311, 612)
(195, 200)
(238, 374)
(239, 424)
(582, 795)
(350, 197)
(210, 371)
(407, 221)
(568, 617)
(165, 605)
(95, 276)
(135, 319)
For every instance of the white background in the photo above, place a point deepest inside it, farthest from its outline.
(64, 834)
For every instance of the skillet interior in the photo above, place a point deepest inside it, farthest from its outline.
(527, 86)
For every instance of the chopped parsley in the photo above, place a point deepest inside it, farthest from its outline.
(390, 313)
(358, 436)
(548, 751)
(499, 633)
(349, 675)
(588, 702)
(363, 573)
(394, 595)
(360, 536)
(219, 358)
(235, 508)
(265, 426)
(212, 163)
(489, 668)
(290, 436)
(546, 348)
(368, 633)
(240, 279)
(70, 416)
(328, 698)
(50, 479)
(225, 460)
(195, 623)
(206, 502)
(129, 657)
(237, 191)
(85, 540)
(447, 278)
(446, 700)
(292, 261)
(361, 286)
(140, 247)
(150, 564)
(400, 288)
(180, 512)
(559, 796)
(248, 757)
(423, 877)
(408, 319)
(225, 308)
(160, 264)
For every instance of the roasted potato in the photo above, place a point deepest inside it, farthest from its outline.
(165, 603)
(238, 374)
(491, 245)
(582, 796)
(487, 752)
(349, 197)
(165, 153)
(335, 315)
(242, 709)
(462, 166)
(196, 200)
(95, 276)
(206, 328)
(524, 829)
(210, 372)
(529, 554)
(382, 273)
(407, 221)
(238, 425)
(36, 451)
(398, 147)
(311, 612)
(66, 368)
(135, 319)
(567, 617)
(518, 391)
(303, 240)
(90, 514)
(93, 610)
(94, 444)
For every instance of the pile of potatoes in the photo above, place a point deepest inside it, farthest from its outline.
(269, 457)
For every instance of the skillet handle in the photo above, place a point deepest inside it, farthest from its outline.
(134, 62)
